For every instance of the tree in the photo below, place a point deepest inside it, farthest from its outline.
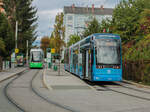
(6, 36)
(45, 42)
(23, 12)
(93, 27)
(2, 47)
(126, 18)
(52, 41)
(2, 50)
(59, 32)
(144, 23)
(73, 39)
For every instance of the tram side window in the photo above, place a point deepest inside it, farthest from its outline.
(83, 55)
(66, 58)
(75, 59)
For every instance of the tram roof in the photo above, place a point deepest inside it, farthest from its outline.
(109, 34)
(96, 35)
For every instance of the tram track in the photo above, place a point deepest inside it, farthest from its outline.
(48, 100)
(109, 87)
(122, 84)
(124, 93)
(20, 107)
(9, 98)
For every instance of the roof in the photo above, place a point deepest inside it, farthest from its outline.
(88, 10)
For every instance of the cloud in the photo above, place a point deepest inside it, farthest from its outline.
(48, 9)
(46, 21)
(51, 13)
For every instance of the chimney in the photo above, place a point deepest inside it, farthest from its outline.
(73, 7)
(102, 7)
(92, 8)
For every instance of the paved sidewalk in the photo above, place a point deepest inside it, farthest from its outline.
(64, 81)
(10, 73)
(69, 91)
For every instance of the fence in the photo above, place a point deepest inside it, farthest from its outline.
(138, 71)
(5, 65)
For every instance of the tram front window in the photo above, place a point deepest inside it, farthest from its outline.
(108, 52)
(36, 56)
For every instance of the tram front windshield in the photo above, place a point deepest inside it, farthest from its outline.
(108, 51)
(36, 56)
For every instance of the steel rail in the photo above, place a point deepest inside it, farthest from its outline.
(48, 100)
(8, 96)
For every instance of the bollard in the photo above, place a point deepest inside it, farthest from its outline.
(49, 65)
(7, 65)
(3, 65)
(55, 68)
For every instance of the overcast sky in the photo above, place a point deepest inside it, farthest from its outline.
(47, 10)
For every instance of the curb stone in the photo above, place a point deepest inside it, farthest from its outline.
(12, 75)
(137, 84)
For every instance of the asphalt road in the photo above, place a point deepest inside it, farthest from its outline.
(22, 91)
(5, 104)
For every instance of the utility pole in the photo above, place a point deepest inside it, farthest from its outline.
(16, 46)
(27, 52)
(16, 35)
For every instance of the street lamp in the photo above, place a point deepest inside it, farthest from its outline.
(16, 35)
(60, 32)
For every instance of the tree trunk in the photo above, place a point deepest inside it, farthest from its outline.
(1, 63)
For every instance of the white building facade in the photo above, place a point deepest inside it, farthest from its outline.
(76, 19)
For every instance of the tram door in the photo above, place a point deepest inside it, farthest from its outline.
(88, 64)
(87, 57)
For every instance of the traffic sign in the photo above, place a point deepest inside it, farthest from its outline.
(53, 50)
(16, 50)
(13, 59)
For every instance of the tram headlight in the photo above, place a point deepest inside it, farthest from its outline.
(116, 67)
(99, 66)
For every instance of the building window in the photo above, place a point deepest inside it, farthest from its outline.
(69, 25)
(70, 17)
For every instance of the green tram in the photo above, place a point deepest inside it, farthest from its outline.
(36, 58)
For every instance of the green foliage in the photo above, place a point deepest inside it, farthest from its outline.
(6, 36)
(23, 12)
(45, 41)
(73, 39)
(126, 18)
(2, 47)
(52, 41)
(58, 33)
(141, 50)
(93, 27)
(107, 25)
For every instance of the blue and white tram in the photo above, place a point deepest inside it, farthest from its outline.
(96, 58)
